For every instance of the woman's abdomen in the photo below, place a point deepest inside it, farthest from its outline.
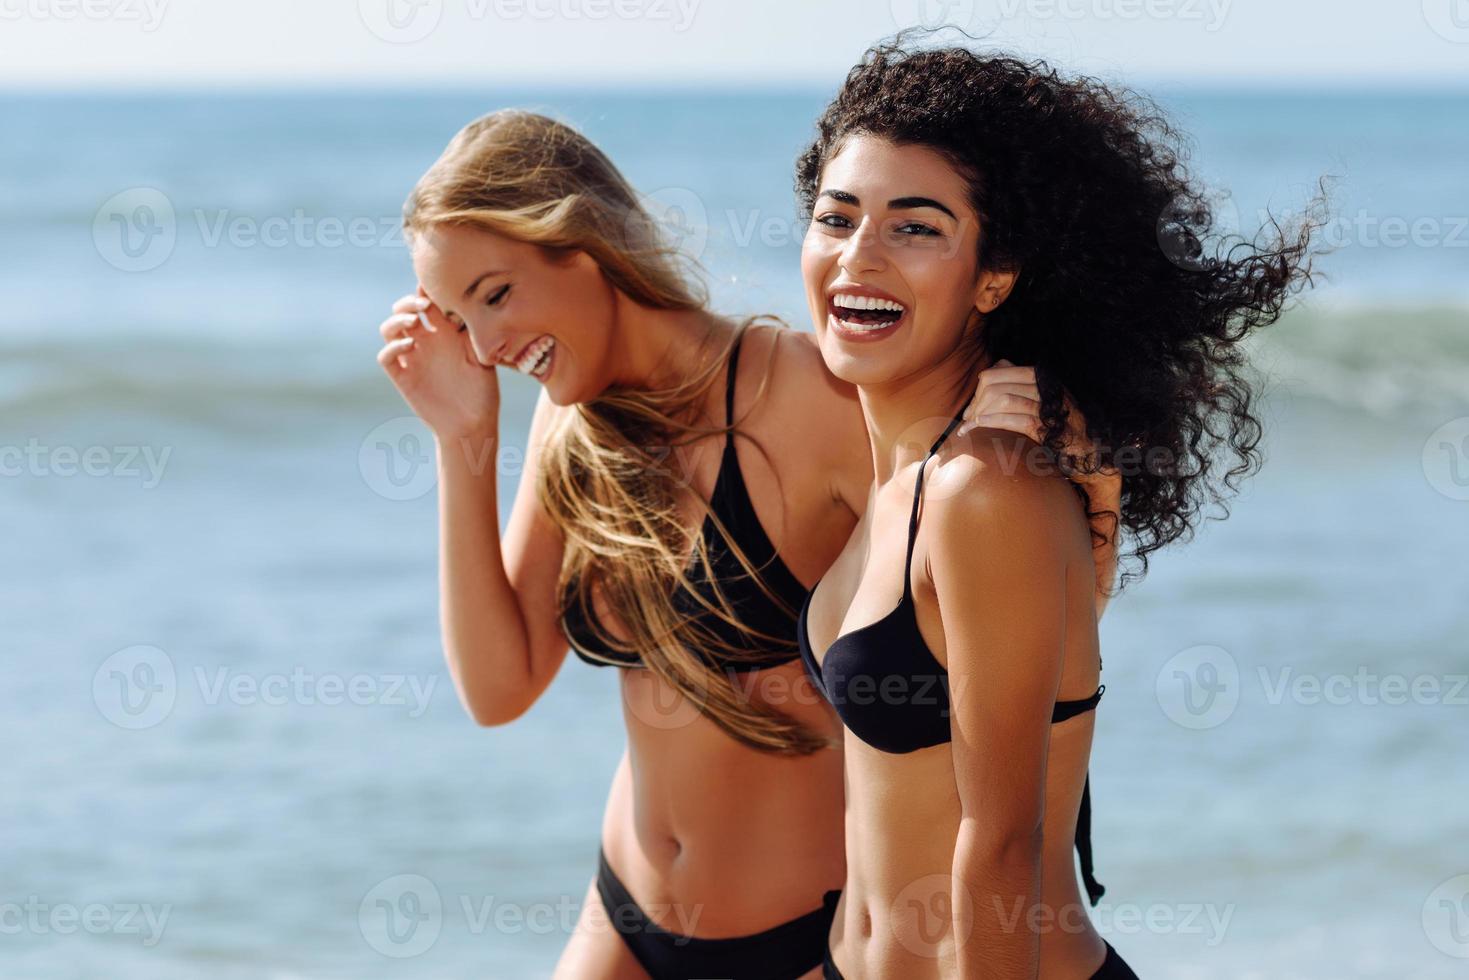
(715, 838)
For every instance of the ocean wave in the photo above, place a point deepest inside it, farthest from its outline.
(1382, 362)
(197, 381)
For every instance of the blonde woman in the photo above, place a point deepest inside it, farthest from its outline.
(687, 478)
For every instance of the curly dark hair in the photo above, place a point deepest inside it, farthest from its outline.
(1130, 297)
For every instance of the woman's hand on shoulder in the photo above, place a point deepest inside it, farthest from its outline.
(1006, 396)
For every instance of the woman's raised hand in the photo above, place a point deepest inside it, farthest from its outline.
(433, 366)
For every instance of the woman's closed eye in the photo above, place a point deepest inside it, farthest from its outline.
(498, 295)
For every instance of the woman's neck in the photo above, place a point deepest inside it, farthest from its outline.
(656, 349)
(905, 416)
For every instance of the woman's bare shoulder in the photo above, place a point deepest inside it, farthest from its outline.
(799, 375)
(813, 413)
(1005, 488)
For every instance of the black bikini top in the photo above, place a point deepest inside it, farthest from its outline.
(892, 693)
(751, 606)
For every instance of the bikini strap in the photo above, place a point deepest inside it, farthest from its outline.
(918, 494)
(1094, 888)
(1070, 709)
(729, 382)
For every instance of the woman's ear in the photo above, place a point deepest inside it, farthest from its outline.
(994, 285)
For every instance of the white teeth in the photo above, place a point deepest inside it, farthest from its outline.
(848, 302)
(536, 357)
(859, 327)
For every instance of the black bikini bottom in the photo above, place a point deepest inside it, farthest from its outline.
(782, 952)
(1112, 968)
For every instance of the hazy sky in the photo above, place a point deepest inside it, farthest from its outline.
(668, 42)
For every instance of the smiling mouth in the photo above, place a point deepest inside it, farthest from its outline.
(865, 312)
(537, 357)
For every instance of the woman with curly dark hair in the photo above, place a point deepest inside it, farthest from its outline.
(967, 209)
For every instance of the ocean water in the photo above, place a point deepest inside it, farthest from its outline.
(232, 747)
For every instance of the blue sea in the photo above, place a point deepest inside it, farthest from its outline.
(231, 746)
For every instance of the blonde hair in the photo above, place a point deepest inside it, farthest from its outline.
(603, 479)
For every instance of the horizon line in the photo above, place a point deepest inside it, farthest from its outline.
(1353, 84)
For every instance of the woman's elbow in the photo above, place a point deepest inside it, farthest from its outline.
(1012, 842)
(492, 709)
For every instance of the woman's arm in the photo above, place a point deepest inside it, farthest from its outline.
(498, 614)
(998, 557)
(498, 606)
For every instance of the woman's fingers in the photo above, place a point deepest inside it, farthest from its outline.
(412, 303)
(1013, 389)
(1009, 374)
(429, 316)
(1002, 377)
(400, 325)
(436, 321)
(1020, 422)
(1004, 370)
(1019, 404)
(392, 358)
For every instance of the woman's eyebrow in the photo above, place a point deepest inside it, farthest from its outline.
(481, 278)
(904, 203)
(896, 204)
